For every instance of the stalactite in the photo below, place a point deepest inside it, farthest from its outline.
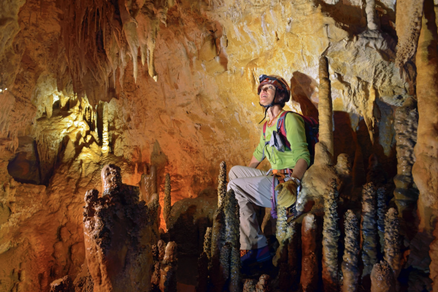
(392, 241)
(370, 10)
(382, 208)
(222, 183)
(325, 107)
(105, 134)
(382, 278)
(309, 270)
(330, 241)
(350, 264)
(408, 25)
(167, 199)
(232, 236)
(369, 228)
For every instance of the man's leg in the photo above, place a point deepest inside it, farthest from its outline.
(250, 186)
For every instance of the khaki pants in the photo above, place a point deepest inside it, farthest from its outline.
(251, 186)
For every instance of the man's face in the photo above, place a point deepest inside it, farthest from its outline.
(267, 94)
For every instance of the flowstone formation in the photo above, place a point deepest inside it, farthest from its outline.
(118, 236)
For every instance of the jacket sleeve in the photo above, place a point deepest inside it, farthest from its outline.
(296, 135)
(258, 152)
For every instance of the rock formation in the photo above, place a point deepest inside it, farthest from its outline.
(167, 199)
(382, 208)
(350, 264)
(117, 237)
(382, 278)
(369, 229)
(393, 255)
(330, 235)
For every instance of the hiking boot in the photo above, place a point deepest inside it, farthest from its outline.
(255, 256)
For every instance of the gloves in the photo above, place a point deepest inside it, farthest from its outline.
(287, 193)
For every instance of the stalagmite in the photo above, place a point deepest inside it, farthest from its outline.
(406, 192)
(263, 283)
(222, 183)
(202, 277)
(224, 259)
(284, 233)
(392, 241)
(105, 134)
(207, 242)
(217, 242)
(309, 273)
(350, 264)
(382, 208)
(330, 241)
(118, 235)
(293, 257)
(148, 184)
(285, 269)
(369, 228)
(232, 237)
(325, 107)
(167, 199)
(168, 268)
(382, 278)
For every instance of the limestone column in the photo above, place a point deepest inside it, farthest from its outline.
(325, 107)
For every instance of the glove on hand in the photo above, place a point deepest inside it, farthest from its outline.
(287, 193)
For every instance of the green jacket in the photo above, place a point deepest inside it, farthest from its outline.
(296, 135)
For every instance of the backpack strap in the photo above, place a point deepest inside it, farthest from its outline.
(264, 130)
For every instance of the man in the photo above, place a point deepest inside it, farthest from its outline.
(256, 187)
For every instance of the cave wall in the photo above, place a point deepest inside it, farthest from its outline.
(171, 84)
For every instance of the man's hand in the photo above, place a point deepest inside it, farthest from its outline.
(287, 193)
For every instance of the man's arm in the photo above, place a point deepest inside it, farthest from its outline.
(299, 169)
(254, 162)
